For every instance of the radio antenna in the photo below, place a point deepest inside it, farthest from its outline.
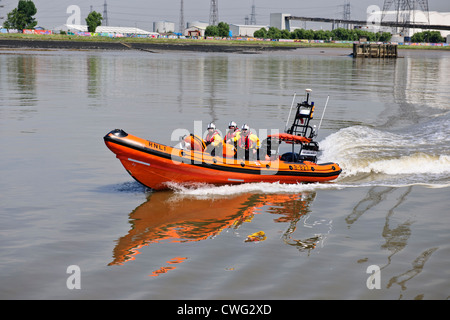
(292, 104)
(323, 113)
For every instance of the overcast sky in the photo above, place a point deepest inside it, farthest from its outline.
(142, 13)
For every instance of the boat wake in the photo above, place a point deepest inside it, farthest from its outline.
(420, 155)
(259, 187)
(206, 191)
(369, 157)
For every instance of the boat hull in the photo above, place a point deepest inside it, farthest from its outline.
(157, 166)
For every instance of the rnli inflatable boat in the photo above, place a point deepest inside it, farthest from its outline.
(157, 166)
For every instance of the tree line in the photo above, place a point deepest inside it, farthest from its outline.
(336, 34)
(340, 34)
(428, 36)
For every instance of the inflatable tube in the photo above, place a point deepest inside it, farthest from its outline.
(195, 142)
(289, 137)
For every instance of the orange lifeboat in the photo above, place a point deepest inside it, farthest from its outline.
(157, 165)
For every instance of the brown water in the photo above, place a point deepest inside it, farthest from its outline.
(65, 200)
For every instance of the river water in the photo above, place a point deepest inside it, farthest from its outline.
(75, 225)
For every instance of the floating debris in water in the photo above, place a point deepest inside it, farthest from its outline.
(257, 236)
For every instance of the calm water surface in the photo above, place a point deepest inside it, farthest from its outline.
(66, 200)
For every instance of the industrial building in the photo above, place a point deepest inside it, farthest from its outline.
(103, 29)
(413, 17)
(282, 21)
(163, 27)
(195, 31)
(246, 30)
(200, 24)
(278, 20)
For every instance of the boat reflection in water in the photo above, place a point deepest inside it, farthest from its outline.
(171, 217)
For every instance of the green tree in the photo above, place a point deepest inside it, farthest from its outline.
(305, 34)
(384, 36)
(274, 33)
(417, 37)
(93, 20)
(223, 29)
(285, 34)
(427, 36)
(261, 33)
(309, 34)
(434, 36)
(22, 17)
(341, 34)
(298, 34)
(211, 31)
(322, 35)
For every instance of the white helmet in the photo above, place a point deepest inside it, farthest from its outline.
(211, 125)
(245, 127)
(232, 124)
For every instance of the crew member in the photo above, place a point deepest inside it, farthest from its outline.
(248, 142)
(213, 139)
(233, 130)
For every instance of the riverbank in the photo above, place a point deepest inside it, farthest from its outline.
(145, 44)
(15, 41)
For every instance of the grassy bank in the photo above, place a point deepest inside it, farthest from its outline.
(197, 42)
(57, 37)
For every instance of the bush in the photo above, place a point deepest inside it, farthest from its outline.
(261, 33)
(211, 31)
(427, 36)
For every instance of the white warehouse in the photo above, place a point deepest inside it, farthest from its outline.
(418, 17)
(163, 26)
(245, 30)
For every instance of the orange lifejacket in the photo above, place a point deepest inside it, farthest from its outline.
(244, 142)
(210, 137)
(231, 134)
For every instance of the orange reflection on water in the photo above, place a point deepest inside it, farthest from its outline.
(161, 270)
(167, 217)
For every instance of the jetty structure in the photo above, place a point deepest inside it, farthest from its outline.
(373, 50)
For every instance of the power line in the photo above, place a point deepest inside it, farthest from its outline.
(346, 14)
(105, 14)
(182, 18)
(404, 10)
(253, 14)
(1, 6)
(214, 13)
